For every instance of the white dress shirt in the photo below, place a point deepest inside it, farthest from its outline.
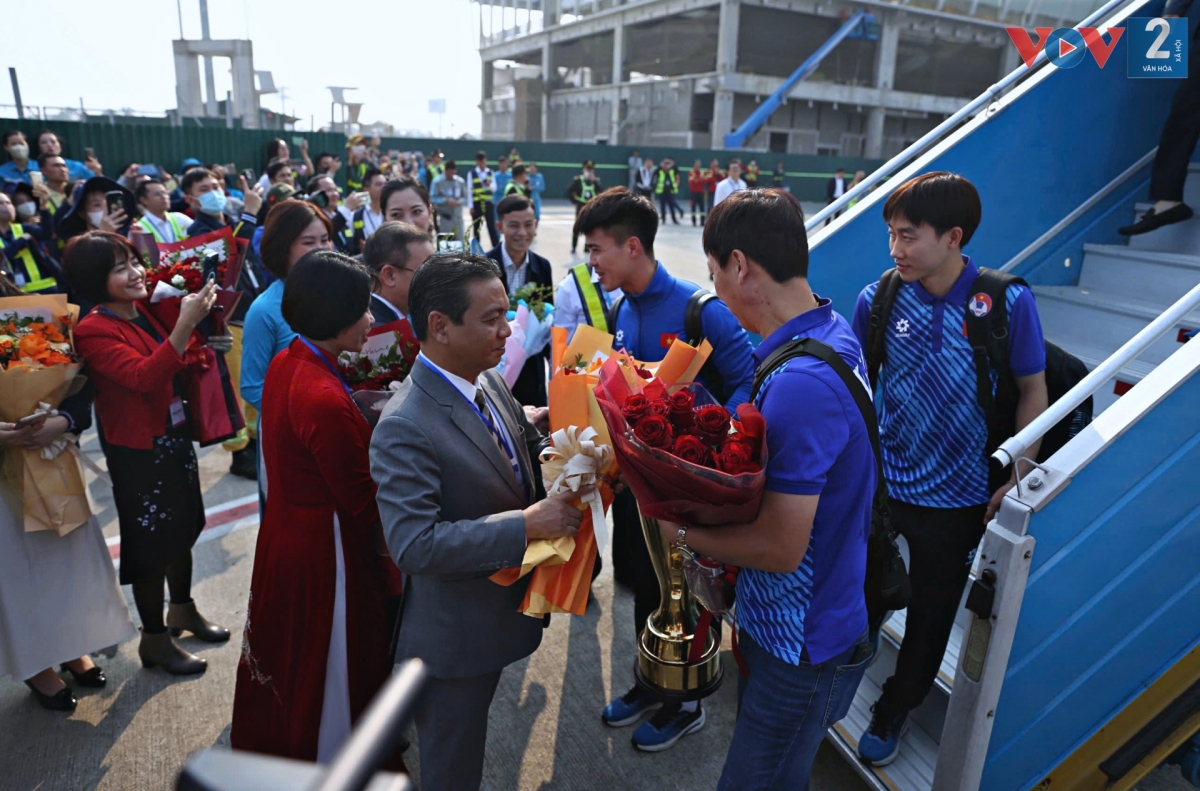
(517, 276)
(839, 187)
(569, 312)
(727, 187)
(468, 392)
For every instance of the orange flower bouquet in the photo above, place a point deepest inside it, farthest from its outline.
(38, 369)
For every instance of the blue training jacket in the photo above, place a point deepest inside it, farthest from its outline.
(648, 322)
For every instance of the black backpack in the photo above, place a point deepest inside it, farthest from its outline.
(886, 586)
(693, 327)
(988, 336)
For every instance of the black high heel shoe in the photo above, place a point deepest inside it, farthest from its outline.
(63, 700)
(93, 678)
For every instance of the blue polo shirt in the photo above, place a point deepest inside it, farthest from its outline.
(932, 430)
(648, 323)
(818, 445)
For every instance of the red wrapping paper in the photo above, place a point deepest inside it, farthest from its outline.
(666, 486)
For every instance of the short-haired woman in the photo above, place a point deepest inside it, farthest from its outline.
(144, 431)
(316, 643)
(293, 228)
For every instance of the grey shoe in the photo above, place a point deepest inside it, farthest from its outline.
(160, 649)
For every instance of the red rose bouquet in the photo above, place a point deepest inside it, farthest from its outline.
(384, 362)
(174, 270)
(684, 456)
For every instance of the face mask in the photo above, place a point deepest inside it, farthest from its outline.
(358, 151)
(27, 210)
(213, 203)
(19, 151)
(94, 217)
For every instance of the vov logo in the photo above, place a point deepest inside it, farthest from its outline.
(1065, 47)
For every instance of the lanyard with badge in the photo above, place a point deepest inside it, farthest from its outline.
(177, 412)
(512, 458)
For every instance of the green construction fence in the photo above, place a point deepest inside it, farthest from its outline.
(118, 143)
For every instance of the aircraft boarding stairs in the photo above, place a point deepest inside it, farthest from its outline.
(1085, 672)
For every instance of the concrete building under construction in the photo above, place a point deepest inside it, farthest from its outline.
(687, 72)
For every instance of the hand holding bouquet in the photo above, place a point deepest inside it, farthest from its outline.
(38, 369)
(383, 364)
(685, 457)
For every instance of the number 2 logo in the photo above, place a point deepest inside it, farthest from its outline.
(1156, 52)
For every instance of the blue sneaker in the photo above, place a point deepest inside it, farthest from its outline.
(629, 708)
(668, 726)
(881, 743)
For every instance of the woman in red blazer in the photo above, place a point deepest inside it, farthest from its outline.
(316, 644)
(147, 441)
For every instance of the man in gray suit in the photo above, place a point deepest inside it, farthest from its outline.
(459, 495)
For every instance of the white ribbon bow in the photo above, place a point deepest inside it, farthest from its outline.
(575, 460)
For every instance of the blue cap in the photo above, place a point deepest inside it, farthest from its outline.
(190, 162)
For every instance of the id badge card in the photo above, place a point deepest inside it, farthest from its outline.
(178, 416)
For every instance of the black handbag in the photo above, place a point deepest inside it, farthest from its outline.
(887, 586)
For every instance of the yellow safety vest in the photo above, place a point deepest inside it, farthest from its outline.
(149, 227)
(481, 190)
(515, 188)
(587, 190)
(354, 176)
(593, 301)
(36, 281)
(663, 175)
(435, 171)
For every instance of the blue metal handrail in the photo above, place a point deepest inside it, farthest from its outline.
(738, 138)
(906, 156)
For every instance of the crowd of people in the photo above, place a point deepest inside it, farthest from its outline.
(376, 544)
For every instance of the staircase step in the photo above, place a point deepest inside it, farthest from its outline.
(913, 768)
(1191, 187)
(1155, 276)
(1131, 374)
(1182, 237)
(1074, 316)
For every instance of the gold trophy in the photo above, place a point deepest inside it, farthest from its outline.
(665, 645)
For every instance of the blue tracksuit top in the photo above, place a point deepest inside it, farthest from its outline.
(648, 322)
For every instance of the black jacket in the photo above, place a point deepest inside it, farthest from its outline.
(831, 187)
(530, 387)
(539, 270)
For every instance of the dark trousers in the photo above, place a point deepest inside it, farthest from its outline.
(941, 546)
(1179, 134)
(666, 201)
(699, 201)
(631, 559)
(485, 213)
(452, 723)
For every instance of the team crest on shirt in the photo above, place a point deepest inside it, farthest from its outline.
(620, 338)
(980, 305)
(902, 327)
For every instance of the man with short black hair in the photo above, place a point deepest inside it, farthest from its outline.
(455, 458)
(448, 194)
(519, 183)
(520, 266)
(583, 188)
(482, 183)
(280, 172)
(801, 612)
(157, 219)
(207, 199)
(58, 181)
(369, 216)
(326, 164)
(393, 253)
(933, 431)
(619, 230)
(731, 183)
